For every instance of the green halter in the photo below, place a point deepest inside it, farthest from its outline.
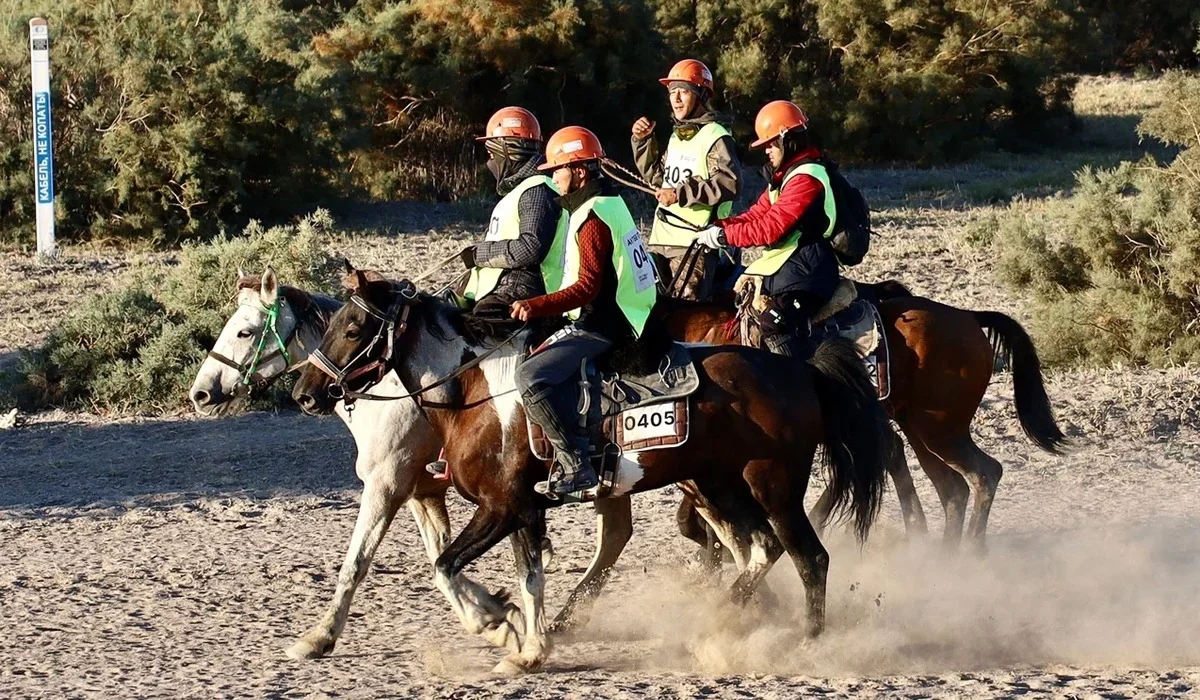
(247, 370)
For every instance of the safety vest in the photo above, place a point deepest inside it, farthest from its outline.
(636, 278)
(505, 226)
(779, 252)
(685, 159)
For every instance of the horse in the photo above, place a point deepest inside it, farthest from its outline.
(942, 360)
(273, 330)
(747, 478)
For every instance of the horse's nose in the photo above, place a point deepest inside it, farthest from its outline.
(201, 397)
(306, 401)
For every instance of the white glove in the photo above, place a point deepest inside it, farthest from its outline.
(712, 237)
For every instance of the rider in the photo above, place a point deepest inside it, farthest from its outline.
(505, 266)
(600, 277)
(794, 219)
(697, 177)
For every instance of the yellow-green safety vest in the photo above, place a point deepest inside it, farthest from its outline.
(505, 226)
(636, 277)
(778, 253)
(688, 158)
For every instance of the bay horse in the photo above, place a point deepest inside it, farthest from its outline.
(942, 360)
(756, 422)
(273, 330)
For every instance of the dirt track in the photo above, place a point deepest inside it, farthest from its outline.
(178, 558)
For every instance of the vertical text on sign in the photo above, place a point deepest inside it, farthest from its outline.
(43, 148)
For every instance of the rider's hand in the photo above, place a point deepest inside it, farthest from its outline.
(468, 257)
(712, 237)
(642, 128)
(521, 310)
(667, 196)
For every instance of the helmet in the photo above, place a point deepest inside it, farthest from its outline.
(689, 70)
(515, 122)
(571, 144)
(776, 119)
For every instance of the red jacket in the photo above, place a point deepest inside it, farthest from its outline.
(765, 223)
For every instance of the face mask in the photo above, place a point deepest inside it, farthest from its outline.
(495, 168)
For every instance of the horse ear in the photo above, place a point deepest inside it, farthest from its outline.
(269, 292)
(241, 273)
(346, 264)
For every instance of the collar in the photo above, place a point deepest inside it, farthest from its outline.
(807, 155)
(600, 187)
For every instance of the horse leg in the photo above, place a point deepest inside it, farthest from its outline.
(378, 505)
(614, 527)
(910, 503)
(433, 522)
(527, 553)
(746, 538)
(952, 489)
(483, 531)
(693, 527)
(781, 495)
(983, 474)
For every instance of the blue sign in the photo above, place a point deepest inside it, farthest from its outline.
(43, 164)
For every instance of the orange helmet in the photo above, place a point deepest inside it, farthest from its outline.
(689, 70)
(571, 144)
(776, 119)
(515, 122)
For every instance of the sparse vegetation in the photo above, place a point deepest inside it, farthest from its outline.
(137, 349)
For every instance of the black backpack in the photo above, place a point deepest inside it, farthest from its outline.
(852, 233)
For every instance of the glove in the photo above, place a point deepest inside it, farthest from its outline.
(468, 257)
(712, 237)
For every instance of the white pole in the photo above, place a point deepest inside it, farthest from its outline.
(43, 152)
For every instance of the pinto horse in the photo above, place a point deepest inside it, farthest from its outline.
(756, 422)
(941, 360)
(273, 329)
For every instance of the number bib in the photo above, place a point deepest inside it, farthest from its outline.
(644, 275)
(657, 426)
(679, 167)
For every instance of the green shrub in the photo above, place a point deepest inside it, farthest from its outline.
(1115, 269)
(171, 119)
(137, 349)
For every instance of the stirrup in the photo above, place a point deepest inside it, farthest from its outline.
(557, 484)
(439, 467)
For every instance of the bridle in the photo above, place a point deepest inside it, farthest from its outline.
(248, 374)
(393, 324)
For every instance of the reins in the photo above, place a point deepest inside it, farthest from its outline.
(391, 328)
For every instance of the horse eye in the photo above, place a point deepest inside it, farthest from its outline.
(352, 333)
(244, 334)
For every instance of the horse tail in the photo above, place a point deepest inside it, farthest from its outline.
(855, 430)
(1011, 343)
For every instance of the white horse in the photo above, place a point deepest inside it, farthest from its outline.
(273, 331)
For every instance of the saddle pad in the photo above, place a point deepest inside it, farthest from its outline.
(677, 378)
(653, 426)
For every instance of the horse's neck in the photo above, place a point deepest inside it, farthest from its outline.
(311, 325)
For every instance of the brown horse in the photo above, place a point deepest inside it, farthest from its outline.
(756, 422)
(941, 363)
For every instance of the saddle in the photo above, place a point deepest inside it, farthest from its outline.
(624, 416)
(849, 314)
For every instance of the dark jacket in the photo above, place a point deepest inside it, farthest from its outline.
(521, 257)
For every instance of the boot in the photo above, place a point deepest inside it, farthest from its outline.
(572, 471)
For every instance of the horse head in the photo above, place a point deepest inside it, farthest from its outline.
(263, 338)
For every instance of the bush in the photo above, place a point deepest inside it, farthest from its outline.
(171, 119)
(1115, 269)
(137, 349)
(430, 72)
(924, 81)
(1133, 35)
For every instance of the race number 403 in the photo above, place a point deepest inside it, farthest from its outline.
(649, 422)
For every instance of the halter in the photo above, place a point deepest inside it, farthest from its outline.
(393, 324)
(248, 371)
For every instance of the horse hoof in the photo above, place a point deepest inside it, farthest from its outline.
(307, 649)
(510, 668)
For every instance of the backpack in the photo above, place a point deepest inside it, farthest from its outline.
(852, 233)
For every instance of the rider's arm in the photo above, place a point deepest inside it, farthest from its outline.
(647, 159)
(723, 182)
(539, 222)
(766, 223)
(595, 250)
